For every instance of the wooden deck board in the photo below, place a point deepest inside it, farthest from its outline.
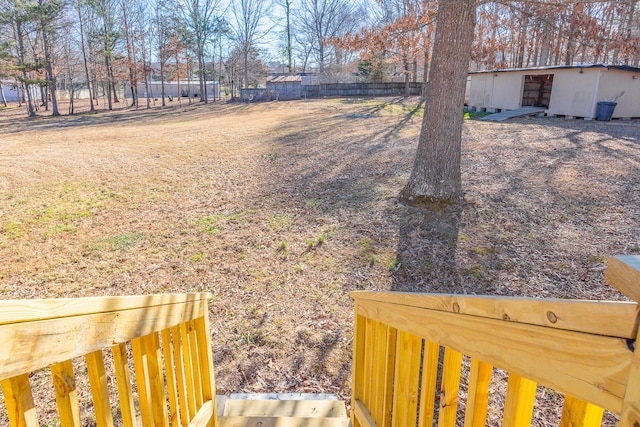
(285, 408)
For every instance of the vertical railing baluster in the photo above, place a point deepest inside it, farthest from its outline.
(357, 367)
(478, 394)
(195, 364)
(188, 369)
(148, 361)
(428, 385)
(64, 383)
(518, 405)
(389, 370)
(170, 368)
(178, 358)
(450, 388)
(123, 379)
(578, 413)
(19, 401)
(99, 390)
(203, 335)
(407, 378)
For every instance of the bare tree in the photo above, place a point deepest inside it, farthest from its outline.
(323, 20)
(83, 47)
(248, 15)
(48, 15)
(200, 22)
(17, 18)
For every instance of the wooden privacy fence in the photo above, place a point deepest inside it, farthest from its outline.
(169, 338)
(408, 354)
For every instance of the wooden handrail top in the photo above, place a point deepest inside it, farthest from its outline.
(39, 333)
(18, 311)
(609, 318)
(623, 273)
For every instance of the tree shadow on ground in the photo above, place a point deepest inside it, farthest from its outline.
(426, 250)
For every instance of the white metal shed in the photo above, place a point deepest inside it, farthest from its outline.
(572, 91)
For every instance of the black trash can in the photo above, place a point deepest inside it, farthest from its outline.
(604, 112)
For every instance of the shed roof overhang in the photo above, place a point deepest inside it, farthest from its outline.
(561, 67)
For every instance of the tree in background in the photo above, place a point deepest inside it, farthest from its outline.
(518, 34)
(199, 20)
(47, 14)
(248, 29)
(80, 9)
(18, 18)
(321, 21)
(402, 32)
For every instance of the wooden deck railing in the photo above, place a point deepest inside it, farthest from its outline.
(169, 338)
(408, 354)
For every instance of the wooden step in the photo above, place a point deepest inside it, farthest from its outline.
(283, 422)
(285, 408)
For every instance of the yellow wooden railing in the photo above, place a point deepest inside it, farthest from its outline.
(168, 337)
(408, 355)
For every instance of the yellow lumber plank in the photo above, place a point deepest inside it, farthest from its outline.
(363, 416)
(205, 356)
(282, 422)
(369, 338)
(188, 371)
(35, 345)
(630, 415)
(357, 368)
(623, 273)
(16, 311)
(19, 401)
(387, 395)
(171, 379)
(180, 376)
(205, 416)
(428, 383)
(123, 380)
(203, 336)
(140, 362)
(578, 413)
(64, 384)
(590, 367)
(518, 405)
(450, 388)
(156, 380)
(610, 318)
(478, 394)
(195, 363)
(407, 376)
(99, 390)
(379, 342)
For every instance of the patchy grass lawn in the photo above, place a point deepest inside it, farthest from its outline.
(281, 209)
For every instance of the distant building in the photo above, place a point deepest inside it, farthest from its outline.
(12, 90)
(572, 91)
(286, 87)
(173, 89)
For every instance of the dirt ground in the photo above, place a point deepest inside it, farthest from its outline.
(281, 209)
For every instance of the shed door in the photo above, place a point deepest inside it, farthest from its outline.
(537, 90)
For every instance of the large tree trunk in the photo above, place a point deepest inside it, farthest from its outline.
(436, 178)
